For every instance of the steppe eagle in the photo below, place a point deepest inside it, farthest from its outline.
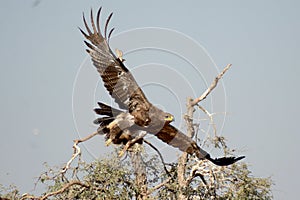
(137, 113)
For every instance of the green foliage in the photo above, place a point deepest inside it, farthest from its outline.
(246, 186)
(102, 179)
(112, 178)
(10, 192)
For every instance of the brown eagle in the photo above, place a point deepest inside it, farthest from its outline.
(137, 113)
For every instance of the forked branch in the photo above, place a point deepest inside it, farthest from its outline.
(182, 180)
(211, 87)
(77, 150)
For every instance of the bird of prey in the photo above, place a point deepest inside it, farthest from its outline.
(168, 134)
(121, 85)
(137, 113)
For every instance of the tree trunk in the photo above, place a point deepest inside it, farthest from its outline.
(183, 158)
(139, 171)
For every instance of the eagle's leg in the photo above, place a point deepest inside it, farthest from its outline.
(114, 132)
(112, 124)
(121, 153)
(126, 138)
(131, 142)
(125, 148)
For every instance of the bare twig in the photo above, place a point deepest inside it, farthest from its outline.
(159, 154)
(70, 184)
(211, 87)
(64, 188)
(210, 118)
(77, 150)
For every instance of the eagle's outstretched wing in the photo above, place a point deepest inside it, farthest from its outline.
(168, 134)
(172, 136)
(117, 79)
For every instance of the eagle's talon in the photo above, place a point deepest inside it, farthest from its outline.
(108, 142)
(121, 153)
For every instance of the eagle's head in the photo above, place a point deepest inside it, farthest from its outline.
(168, 118)
(158, 119)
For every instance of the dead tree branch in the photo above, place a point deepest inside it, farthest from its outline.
(68, 185)
(159, 154)
(182, 180)
(210, 115)
(77, 150)
(63, 189)
(211, 87)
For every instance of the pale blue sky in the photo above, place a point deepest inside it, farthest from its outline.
(41, 51)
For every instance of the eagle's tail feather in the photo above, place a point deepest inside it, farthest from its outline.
(106, 110)
(109, 114)
(103, 120)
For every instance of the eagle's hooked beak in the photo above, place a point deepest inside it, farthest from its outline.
(169, 118)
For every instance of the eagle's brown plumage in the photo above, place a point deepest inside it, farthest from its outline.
(168, 134)
(140, 114)
(117, 79)
(120, 83)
